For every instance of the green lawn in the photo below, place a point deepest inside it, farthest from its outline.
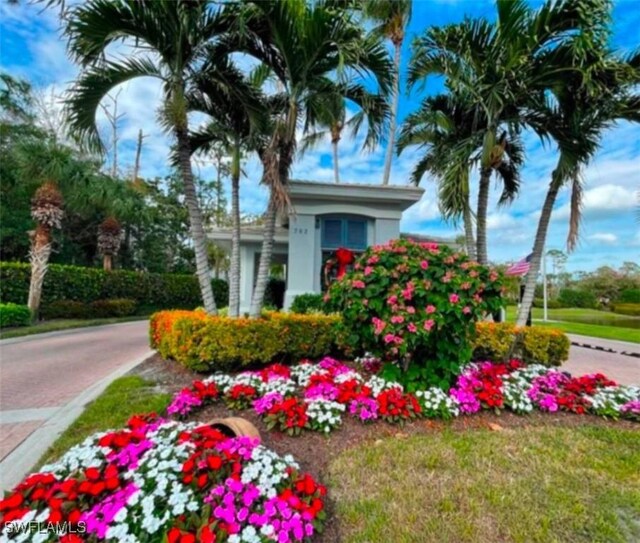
(576, 321)
(124, 397)
(62, 324)
(535, 484)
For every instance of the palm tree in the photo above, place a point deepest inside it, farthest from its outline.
(451, 130)
(49, 166)
(305, 46)
(169, 39)
(392, 18)
(237, 125)
(593, 97)
(496, 65)
(332, 120)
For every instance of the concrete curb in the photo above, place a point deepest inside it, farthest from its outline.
(22, 459)
(79, 329)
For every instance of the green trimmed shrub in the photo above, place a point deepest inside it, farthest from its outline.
(205, 343)
(540, 345)
(308, 303)
(119, 307)
(154, 290)
(630, 296)
(577, 298)
(627, 309)
(14, 315)
(66, 309)
(415, 305)
(551, 304)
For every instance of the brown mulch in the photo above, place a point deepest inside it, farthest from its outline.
(314, 451)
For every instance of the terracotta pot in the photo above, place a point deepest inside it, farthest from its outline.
(235, 427)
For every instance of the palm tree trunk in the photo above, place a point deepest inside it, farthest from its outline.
(481, 215)
(234, 283)
(336, 169)
(107, 262)
(393, 116)
(195, 221)
(538, 247)
(470, 241)
(39, 258)
(265, 259)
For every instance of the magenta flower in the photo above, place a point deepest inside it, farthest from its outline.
(431, 309)
(412, 327)
(424, 264)
(357, 284)
(183, 402)
(454, 298)
(368, 270)
(397, 319)
(466, 310)
(428, 324)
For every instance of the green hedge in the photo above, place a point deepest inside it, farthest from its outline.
(577, 298)
(626, 309)
(14, 315)
(308, 303)
(151, 290)
(551, 304)
(205, 343)
(630, 296)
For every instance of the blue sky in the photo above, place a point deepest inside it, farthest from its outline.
(31, 47)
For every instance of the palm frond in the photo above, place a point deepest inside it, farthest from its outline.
(92, 86)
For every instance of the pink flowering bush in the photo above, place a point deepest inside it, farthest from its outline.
(415, 305)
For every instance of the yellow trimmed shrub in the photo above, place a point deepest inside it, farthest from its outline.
(539, 345)
(202, 342)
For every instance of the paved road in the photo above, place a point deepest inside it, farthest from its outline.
(44, 379)
(619, 367)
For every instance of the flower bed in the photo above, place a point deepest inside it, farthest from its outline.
(160, 480)
(317, 396)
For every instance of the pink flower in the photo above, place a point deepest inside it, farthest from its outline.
(424, 264)
(397, 319)
(411, 310)
(368, 270)
(454, 298)
(428, 324)
(466, 310)
(465, 286)
(378, 325)
(431, 309)
(392, 300)
(412, 328)
(365, 302)
(389, 338)
(373, 259)
(357, 284)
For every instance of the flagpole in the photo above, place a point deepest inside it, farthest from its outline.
(544, 284)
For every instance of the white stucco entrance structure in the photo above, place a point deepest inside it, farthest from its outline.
(325, 217)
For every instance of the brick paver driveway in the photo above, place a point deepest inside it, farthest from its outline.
(40, 375)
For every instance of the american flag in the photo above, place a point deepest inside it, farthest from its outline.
(521, 267)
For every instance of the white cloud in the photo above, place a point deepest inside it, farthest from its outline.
(601, 202)
(604, 237)
(497, 221)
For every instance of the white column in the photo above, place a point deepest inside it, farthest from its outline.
(301, 261)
